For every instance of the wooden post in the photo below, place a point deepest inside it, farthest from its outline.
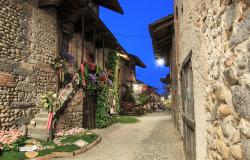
(94, 43)
(58, 49)
(94, 98)
(82, 60)
(83, 37)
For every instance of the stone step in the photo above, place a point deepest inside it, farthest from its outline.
(42, 115)
(41, 122)
(41, 137)
(43, 110)
(38, 130)
(40, 119)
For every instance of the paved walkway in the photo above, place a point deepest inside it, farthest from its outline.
(153, 138)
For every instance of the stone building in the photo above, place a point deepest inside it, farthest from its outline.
(209, 61)
(32, 35)
(127, 72)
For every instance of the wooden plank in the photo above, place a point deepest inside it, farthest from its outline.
(89, 110)
(47, 3)
(188, 108)
(189, 122)
(94, 111)
(187, 59)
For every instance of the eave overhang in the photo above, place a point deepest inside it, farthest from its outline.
(113, 5)
(137, 61)
(162, 32)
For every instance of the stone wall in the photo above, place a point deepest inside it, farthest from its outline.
(226, 31)
(72, 116)
(220, 43)
(188, 40)
(27, 45)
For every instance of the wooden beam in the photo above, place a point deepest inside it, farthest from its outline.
(164, 26)
(164, 49)
(163, 46)
(47, 3)
(164, 40)
(73, 15)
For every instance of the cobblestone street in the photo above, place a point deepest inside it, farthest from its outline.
(153, 138)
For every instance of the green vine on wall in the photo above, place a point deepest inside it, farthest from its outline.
(103, 117)
(104, 82)
(113, 65)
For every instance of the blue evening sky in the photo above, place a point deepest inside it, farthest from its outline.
(131, 30)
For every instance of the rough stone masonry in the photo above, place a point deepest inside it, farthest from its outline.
(220, 33)
(228, 25)
(27, 46)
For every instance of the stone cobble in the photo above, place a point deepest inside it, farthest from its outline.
(153, 138)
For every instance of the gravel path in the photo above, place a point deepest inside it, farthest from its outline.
(153, 138)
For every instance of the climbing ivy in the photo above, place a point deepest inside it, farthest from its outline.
(113, 65)
(103, 117)
(104, 82)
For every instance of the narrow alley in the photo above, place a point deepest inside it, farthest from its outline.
(153, 138)
(125, 79)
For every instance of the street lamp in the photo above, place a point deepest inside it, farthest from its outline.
(160, 62)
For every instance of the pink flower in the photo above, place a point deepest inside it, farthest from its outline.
(8, 137)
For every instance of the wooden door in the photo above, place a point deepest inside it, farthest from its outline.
(90, 102)
(188, 111)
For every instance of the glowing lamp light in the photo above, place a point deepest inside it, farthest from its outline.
(137, 88)
(160, 62)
